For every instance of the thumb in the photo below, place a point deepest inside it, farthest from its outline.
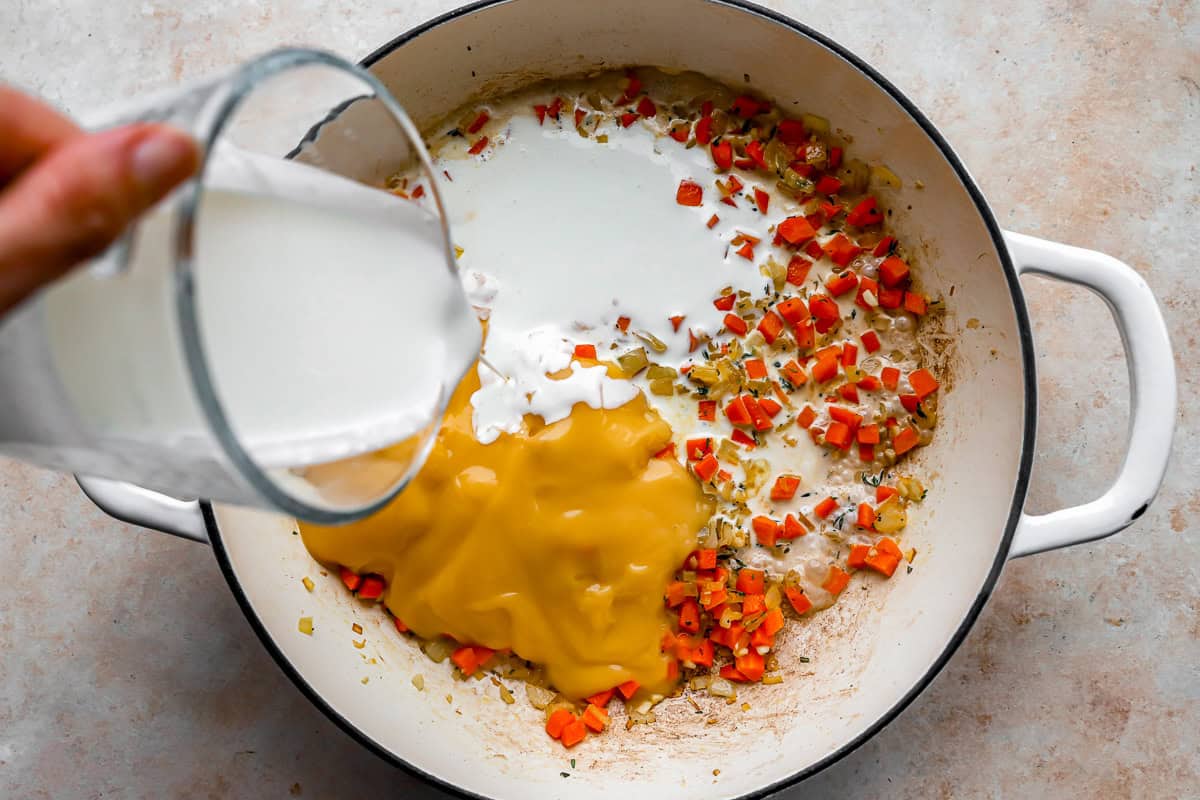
(72, 203)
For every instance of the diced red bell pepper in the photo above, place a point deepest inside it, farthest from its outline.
(766, 530)
(797, 270)
(689, 193)
(841, 250)
(722, 153)
(770, 326)
(828, 185)
(736, 325)
(796, 230)
(865, 213)
(893, 271)
(841, 283)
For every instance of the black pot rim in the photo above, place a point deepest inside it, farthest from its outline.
(1018, 502)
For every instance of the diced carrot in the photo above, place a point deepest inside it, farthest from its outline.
(845, 415)
(697, 449)
(755, 368)
(736, 325)
(792, 529)
(882, 493)
(797, 270)
(773, 622)
(574, 733)
(707, 410)
(869, 383)
(825, 369)
(758, 417)
(826, 507)
(735, 185)
(676, 321)
(676, 593)
(585, 351)
(886, 557)
(915, 303)
(796, 230)
(839, 435)
(762, 200)
(870, 341)
(351, 579)
(769, 407)
(884, 247)
(841, 283)
(666, 452)
(712, 221)
(785, 487)
(623, 324)
(722, 154)
(750, 665)
(400, 626)
(706, 467)
(477, 148)
(798, 599)
(806, 417)
(372, 587)
(858, 556)
(559, 720)
(890, 376)
(923, 383)
(849, 392)
(753, 604)
(770, 326)
(725, 302)
(841, 249)
(905, 440)
(868, 434)
(601, 698)
(739, 436)
(736, 412)
(766, 530)
(689, 616)
(595, 718)
(706, 558)
(866, 516)
(793, 373)
(746, 251)
(910, 402)
(836, 580)
(751, 581)
(628, 688)
(893, 271)
(689, 193)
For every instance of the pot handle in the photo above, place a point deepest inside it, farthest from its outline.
(138, 506)
(1151, 387)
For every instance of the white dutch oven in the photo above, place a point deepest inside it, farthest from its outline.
(868, 658)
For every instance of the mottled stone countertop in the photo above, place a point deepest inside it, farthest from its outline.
(127, 670)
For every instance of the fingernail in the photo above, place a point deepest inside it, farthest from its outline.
(163, 158)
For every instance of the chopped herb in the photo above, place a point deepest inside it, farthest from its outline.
(909, 570)
(565, 774)
(572, 763)
(804, 659)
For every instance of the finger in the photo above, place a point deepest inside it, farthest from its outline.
(29, 129)
(74, 202)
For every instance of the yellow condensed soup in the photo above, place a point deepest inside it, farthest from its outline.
(556, 543)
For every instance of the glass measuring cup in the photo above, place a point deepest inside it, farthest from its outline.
(256, 338)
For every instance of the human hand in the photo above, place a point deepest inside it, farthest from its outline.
(65, 194)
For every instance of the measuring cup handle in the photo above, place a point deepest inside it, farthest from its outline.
(138, 506)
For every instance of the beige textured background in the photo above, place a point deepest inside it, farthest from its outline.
(126, 670)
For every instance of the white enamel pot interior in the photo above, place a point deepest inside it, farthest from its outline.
(869, 657)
